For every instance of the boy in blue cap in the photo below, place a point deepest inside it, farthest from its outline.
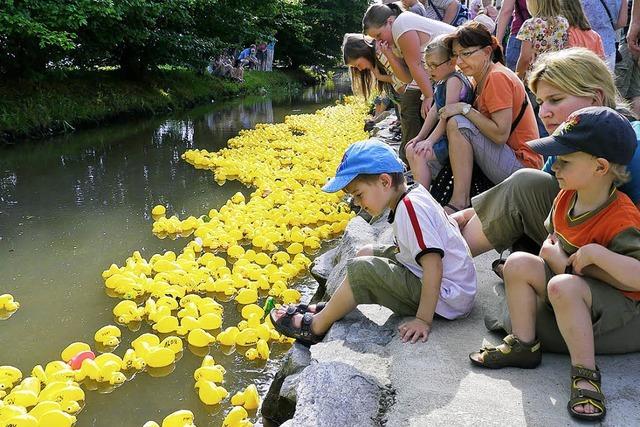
(592, 226)
(428, 271)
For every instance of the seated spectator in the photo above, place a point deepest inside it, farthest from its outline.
(493, 132)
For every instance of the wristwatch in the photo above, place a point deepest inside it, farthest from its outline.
(466, 109)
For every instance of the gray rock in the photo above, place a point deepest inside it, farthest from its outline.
(336, 394)
(275, 407)
(298, 358)
(357, 234)
(288, 388)
(323, 264)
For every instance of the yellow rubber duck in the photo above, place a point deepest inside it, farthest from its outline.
(57, 418)
(213, 373)
(108, 336)
(173, 343)
(290, 296)
(228, 336)
(181, 418)
(159, 357)
(158, 210)
(167, 325)
(248, 398)
(131, 360)
(237, 417)
(24, 420)
(210, 393)
(210, 321)
(247, 337)
(8, 303)
(200, 338)
(295, 248)
(9, 375)
(247, 296)
(252, 310)
(42, 407)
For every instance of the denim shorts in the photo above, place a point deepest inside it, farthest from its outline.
(513, 52)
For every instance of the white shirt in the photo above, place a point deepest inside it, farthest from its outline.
(413, 22)
(421, 226)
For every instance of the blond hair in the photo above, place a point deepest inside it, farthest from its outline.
(578, 72)
(544, 8)
(619, 173)
(438, 46)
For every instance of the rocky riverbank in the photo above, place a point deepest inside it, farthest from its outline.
(363, 375)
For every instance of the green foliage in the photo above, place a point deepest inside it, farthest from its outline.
(40, 108)
(139, 35)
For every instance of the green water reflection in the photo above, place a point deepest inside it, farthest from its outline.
(71, 206)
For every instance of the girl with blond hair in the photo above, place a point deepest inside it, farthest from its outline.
(546, 31)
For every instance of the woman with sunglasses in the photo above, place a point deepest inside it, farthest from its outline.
(494, 130)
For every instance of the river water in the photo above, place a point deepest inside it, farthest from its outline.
(71, 206)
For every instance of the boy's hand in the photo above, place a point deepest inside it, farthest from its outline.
(450, 110)
(553, 254)
(585, 256)
(414, 330)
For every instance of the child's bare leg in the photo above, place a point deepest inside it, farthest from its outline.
(571, 300)
(472, 231)
(419, 167)
(461, 158)
(525, 280)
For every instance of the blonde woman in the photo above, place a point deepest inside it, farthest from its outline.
(546, 31)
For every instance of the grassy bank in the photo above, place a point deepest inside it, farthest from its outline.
(37, 109)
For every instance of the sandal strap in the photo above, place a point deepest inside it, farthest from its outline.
(580, 371)
(305, 326)
(583, 393)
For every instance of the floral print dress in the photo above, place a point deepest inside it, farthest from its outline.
(545, 34)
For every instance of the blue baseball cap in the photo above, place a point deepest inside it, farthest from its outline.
(599, 131)
(371, 156)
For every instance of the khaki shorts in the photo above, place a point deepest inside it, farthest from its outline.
(516, 207)
(628, 74)
(615, 319)
(381, 279)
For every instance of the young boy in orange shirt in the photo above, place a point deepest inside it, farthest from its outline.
(593, 229)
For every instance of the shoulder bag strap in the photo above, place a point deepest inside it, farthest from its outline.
(520, 114)
(613, 25)
(435, 9)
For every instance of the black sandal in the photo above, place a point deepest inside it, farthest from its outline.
(581, 396)
(284, 325)
(304, 308)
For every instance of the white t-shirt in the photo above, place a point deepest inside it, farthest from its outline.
(441, 5)
(421, 226)
(412, 22)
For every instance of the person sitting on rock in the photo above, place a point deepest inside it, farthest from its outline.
(428, 272)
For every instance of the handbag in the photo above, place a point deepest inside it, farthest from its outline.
(618, 54)
(442, 186)
(461, 17)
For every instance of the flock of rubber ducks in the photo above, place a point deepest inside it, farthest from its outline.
(250, 249)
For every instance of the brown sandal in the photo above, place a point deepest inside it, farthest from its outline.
(581, 396)
(516, 354)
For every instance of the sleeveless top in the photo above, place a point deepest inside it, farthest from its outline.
(412, 22)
